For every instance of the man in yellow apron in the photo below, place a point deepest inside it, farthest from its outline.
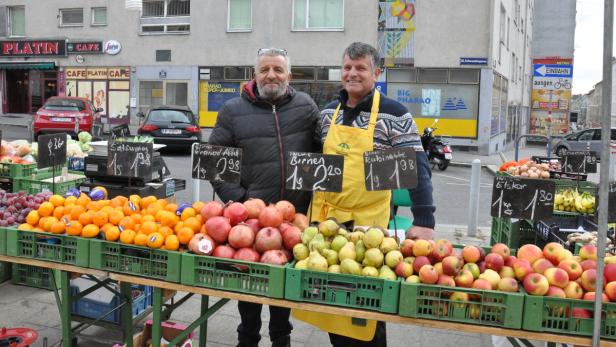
(364, 120)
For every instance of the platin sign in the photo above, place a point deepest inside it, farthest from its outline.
(390, 169)
(129, 159)
(119, 131)
(33, 48)
(217, 163)
(314, 172)
(579, 162)
(523, 198)
(51, 150)
(611, 203)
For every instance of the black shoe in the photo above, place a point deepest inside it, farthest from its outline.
(284, 341)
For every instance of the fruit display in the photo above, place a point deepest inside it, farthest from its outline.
(14, 207)
(529, 169)
(16, 152)
(570, 200)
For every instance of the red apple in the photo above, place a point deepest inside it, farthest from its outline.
(440, 252)
(508, 284)
(542, 264)
(588, 252)
(509, 262)
(536, 284)
(464, 279)
(556, 292)
(573, 268)
(506, 271)
(439, 268)
(451, 265)
(491, 276)
(522, 267)
(588, 264)
(588, 279)
(404, 269)
(557, 277)
(406, 247)
(609, 271)
(502, 250)
(581, 313)
(494, 262)
(610, 291)
(419, 262)
(552, 250)
(428, 274)
(530, 252)
(590, 296)
(445, 280)
(482, 284)
(573, 290)
(471, 254)
(459, 296)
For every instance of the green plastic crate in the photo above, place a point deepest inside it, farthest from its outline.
(36, 184)
(135, 260)
(8, 170)
(485, 307)
(2, 241)
(346, 290)
(233, 275)
(581, 186)
(513, 233)
(34, 276)
(5, 271)
(38, 245)
(555, 315)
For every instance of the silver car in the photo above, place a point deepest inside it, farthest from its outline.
(588, 139)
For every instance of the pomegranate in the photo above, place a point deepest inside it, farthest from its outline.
(218, 228)
(267, 239)
(212, 209)
(247, 254)
(254, 207)
(274, 256)
(201, 244)
(236, 212)
(270, 216)
(224, 251)
(287, 209)
(301, 221)
(241, 236)
(284, 227)
(291, 236)
(253, 223)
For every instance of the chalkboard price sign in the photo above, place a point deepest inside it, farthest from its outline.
(523, 198)
(611, 211)
(314, 172)
(130, 159)
(119, 131)
(52, 150)
(216, 163)
(579, 162)
(390, 169)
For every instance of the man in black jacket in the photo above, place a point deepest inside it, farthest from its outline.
(268, 120)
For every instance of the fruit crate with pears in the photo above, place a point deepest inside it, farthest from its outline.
(567, 316)
(512, 232)
(45, 246)
(465, 305)
(135, 260)
(233, 275)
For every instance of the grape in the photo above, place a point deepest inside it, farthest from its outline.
(20, 219)
(18, 206)
(10, 220)
(38, 200)
(3, 223)
(36, 206)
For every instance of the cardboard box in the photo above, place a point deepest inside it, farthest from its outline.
(169, 331)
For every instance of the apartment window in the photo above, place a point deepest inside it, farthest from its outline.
(239, 15)
(17, 21)
(508, 31)
(318, 14)
(71, 17)
(503, 24)
(99, 15)
(513, 67)
(163, 55)
(165, 16)
(165, 8)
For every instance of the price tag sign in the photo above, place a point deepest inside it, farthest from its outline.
(579, 162)
(216, 163)
(514, 197)
(119, 131)
(51, 150)
(611, 211)
(314, 172)
(130, 159)
(390, 169)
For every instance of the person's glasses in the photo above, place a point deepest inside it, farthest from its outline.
(274, 51)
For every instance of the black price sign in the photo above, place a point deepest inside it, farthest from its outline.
(514, 197)
(216, 163)
(130, 159)
(51, 150)
(611, 211)
(579, 162)
(119, 131)
(314, 172)
(390, 169)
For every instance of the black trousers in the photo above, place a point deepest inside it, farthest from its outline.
(379, 340)
(249, 329)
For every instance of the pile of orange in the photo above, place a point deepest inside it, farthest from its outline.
(147, 221)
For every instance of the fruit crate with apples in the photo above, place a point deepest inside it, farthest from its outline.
(135, 260)
(474, 306)
(45, 246)
(368, 293)
(10, 170)
(35, 277)
(233, 275)
(43, 181)
(512, 232)
(567, 316)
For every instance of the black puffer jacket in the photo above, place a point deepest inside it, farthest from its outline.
(265, 132)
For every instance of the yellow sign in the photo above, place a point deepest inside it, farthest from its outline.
(212, 95)
(449, 126)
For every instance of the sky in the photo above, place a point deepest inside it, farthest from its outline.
(588, 53)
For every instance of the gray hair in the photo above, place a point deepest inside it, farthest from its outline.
(273, 52)
(358, 50)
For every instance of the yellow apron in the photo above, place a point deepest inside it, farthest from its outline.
(366, 208)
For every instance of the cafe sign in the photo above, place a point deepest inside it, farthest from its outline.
(33, 48)
(85, 47)
(95, 73)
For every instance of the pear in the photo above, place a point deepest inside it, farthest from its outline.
(302, 264)
(317, 262)
(343, 232)
(334, 269)
(373, 257)
(386, 273)
(393, 258)
(330, 255)
(308, 234)
(373, 238)
(356, 236)
(388, 244)
(328, 244)
(350, 266)
(317, 243)
(370, 271)
(328, 227)
(347, 251)
(360, 251)
(300, 251)
(338, 242)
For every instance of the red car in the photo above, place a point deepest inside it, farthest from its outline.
(65, 114)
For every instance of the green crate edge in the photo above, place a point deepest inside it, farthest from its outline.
(514, 238)
(25, 184)
(83, 246)
(513, 316)
(277, 274)
(96, 260)
(2, 240)
(17, 170)
(18, 281)
(389, 300)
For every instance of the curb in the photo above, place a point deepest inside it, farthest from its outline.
(492, 168)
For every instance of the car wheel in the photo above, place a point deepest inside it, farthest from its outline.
(561, 151)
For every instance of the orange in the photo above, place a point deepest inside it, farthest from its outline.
(172, 243)
(152, 209)
(107, 209)
(136, 218)
(169, 219)
(188, 212)
(25, 226)
(179, 225)
(46, 209)
(85, 218)
(115, 217)
(73, 228)
(130, 208)
(171, 207)
(127, 223)
(90, 231)
(49, 222)
(193, 223)
(33, 217)
(141, 239)
(58, 212)
(118, 201)
(146, 201)
(147, 218)
(70, 200)
(92, 206)
(148, 227)
(41, 222)
(199, 218)
(76, 211)
(166, 231)
(83, 200)
(99, 218)
(198, 205)
(155, 240)
(58, 227)
(127, 236)
(103, 203)
(106, 226)
(57, 200)
(136, 199)
(185, 234)
(112, 233)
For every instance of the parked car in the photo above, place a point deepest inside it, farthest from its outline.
(174, 126)
(65, 114)
(588, 139)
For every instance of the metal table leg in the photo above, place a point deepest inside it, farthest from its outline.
(65, 307)
(157, 312)
(127, 312)
(203, 328)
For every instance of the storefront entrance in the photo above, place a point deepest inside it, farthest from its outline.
(17, 91)
(27, 90)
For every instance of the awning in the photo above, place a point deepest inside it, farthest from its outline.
(28, 66)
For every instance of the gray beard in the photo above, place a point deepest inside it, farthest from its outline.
(272, 94)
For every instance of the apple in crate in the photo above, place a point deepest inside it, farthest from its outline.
(522, 267)
(491, 276)
(530, 252)
(508, 284)
(542, 264)
(428, 274)
(590, 296)
(610, 290)
(471, 254)
(406, 247)
(552, 252)
(506, 271)
(588, 252)
(574, 290)
(494, 261)
(445, 280)
(589, 279)
(574, 269)
(419, 262)
(451, 265)
(464, 279)
(502, 250)
(557, 277)
(556, 292)
(609, 271)
(588, 264)
(536, 284)
(473, 268)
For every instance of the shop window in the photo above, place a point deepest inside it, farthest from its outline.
(71, 17)
(432, 76)
(176, 93)
(402, 75)
(237, 73)
(17, 21)
(318, 14)
(328, 74)
(303, 73)
(239, 15)
(211, 73)
(150, 94)
(99, 16)
(163, 55)
(465, 76)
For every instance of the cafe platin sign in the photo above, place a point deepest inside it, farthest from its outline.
(33, 48)
(85, 47)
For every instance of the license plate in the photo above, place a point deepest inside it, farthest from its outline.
(447, 155)
(60, 119)
(171, 131)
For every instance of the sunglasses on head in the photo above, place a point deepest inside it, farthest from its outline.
(275, 51)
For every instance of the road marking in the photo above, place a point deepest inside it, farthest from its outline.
(452, 177)
(484, 185)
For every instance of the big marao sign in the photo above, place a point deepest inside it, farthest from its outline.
(33, 48)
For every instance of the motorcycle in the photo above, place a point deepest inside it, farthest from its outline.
(438, 150)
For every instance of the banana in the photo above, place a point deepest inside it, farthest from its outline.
(578, 203)
(559, 199)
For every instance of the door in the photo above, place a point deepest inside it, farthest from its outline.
(17, 91)
(595, 144)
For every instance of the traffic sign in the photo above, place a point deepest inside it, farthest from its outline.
(550, 70)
